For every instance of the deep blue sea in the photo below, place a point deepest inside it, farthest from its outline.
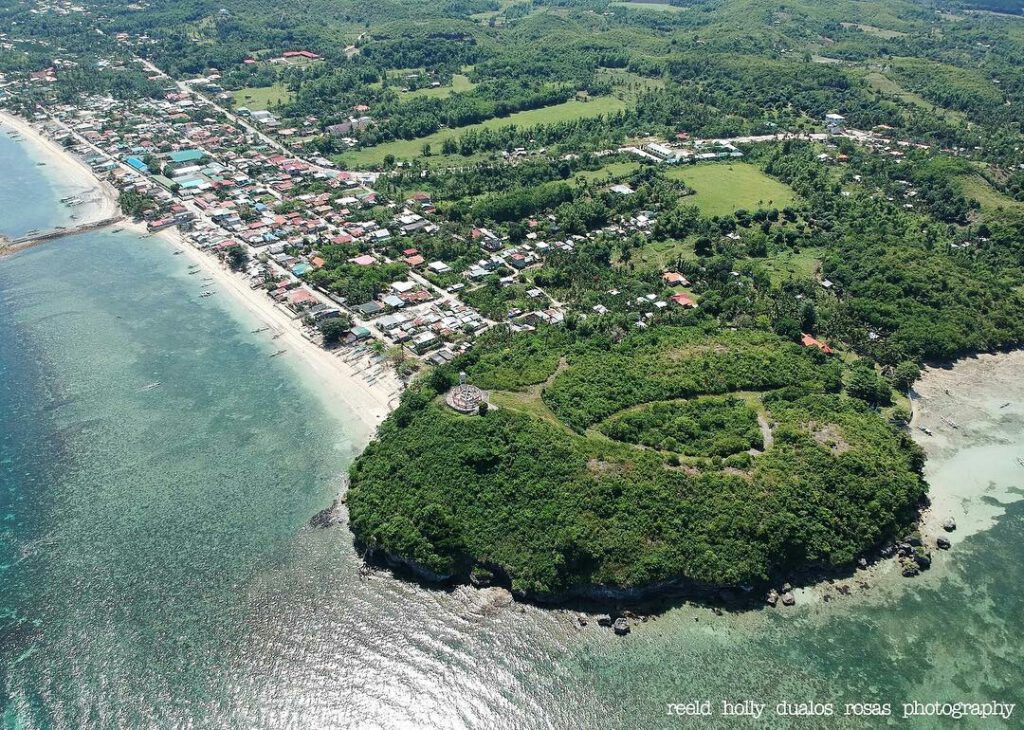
(157, 569)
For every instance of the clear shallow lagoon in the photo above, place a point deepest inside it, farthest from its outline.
(156, 568)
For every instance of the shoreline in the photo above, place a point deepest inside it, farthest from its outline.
(334, 380)
(65, 171)
(338, 384)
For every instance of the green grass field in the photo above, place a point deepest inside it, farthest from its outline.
(790, 266)
(661, 7)
(262, 97)
(723, 188)
(888, 87)
(460, 82)
(408, 149)
(977, 188)
(660, 255)
(614, 170)
(875, 31)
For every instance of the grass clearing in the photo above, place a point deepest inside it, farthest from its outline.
(723, 188)
(882, 83)
(611, 171)
(662, 254)
(978, 188)
(791, 266)
(660, 7)
(875, 31)
(406, 149)
(262, 97)
(460, 82)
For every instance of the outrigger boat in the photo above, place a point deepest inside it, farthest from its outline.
(260, 329)
(151, 386)
(926, 430)
(279, 352)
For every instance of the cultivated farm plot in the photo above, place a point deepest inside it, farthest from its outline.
(723, 188)
(408, 149)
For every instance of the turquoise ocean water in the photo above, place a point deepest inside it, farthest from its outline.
(157, 570)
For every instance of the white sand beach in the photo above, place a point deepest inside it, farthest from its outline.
(338, 382)
(68, 173)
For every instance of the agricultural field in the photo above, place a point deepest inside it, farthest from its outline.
(407, 149)
(723, 188)
(262, 97)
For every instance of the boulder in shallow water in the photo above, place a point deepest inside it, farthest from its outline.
(943, 543)
(910, 569)
(772, 599)
(582, 619)
(788, 599)
(604, 620)
(949, 525)
(923, 560)
(621, 626)
(862, 563)
(786, 587)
